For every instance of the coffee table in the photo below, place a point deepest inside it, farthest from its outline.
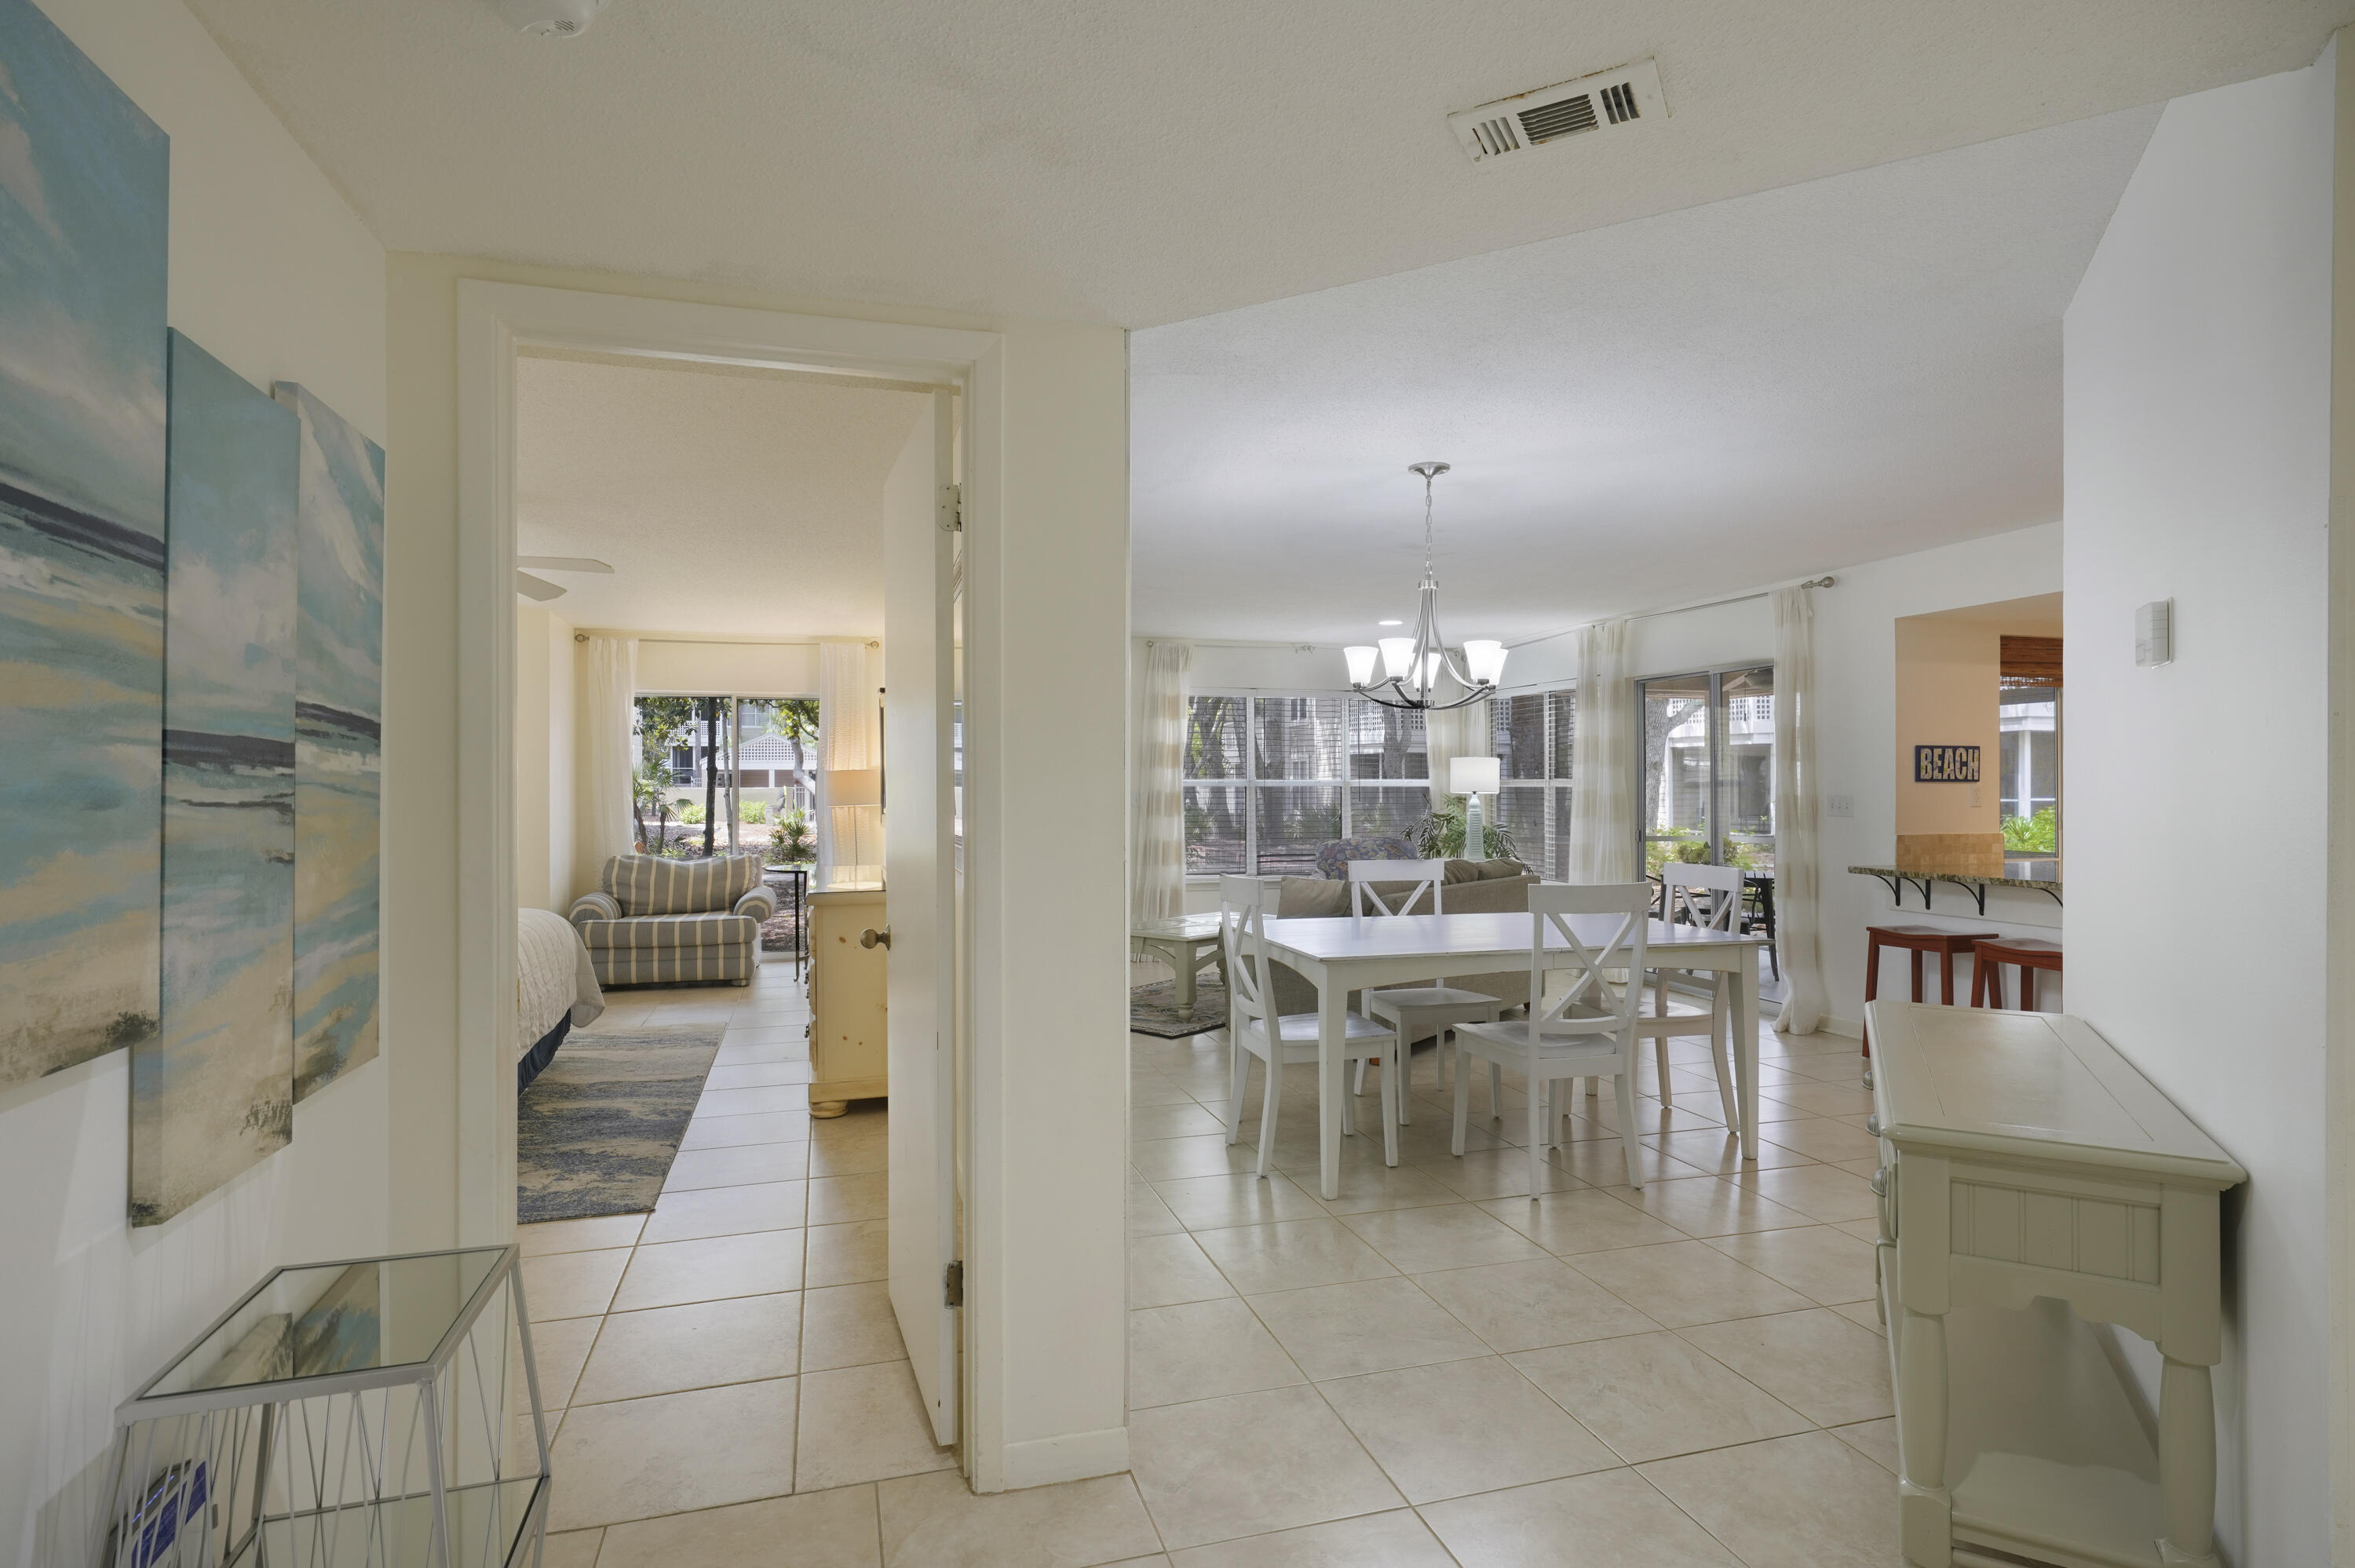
(1185, 942)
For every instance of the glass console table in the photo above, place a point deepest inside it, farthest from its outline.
(354, 1414)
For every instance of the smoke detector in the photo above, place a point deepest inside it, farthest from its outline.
(548, 18)
(1614, 101)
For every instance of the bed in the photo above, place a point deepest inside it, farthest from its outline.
(556, 989)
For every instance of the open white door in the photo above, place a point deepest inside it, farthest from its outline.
(919, 850)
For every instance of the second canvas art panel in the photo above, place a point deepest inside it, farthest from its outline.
(212, 1094)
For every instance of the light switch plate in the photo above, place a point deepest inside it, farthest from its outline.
(1840, 805)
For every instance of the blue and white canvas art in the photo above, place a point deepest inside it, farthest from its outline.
(84, 186)
(212, 1094)
(338, 710)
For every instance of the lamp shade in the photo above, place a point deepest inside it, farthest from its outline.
(1361, 665)
(855, 787)
(1485, 663)
(1473, 775)
(1398, 658)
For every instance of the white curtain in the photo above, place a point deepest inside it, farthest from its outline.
(1156, 827)
(849, 740)
(1602, 763)
(1797, 946)
(611, 753)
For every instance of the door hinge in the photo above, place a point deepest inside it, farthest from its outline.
(953, 1293)
(951, 509)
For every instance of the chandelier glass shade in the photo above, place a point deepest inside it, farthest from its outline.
(1418, 672)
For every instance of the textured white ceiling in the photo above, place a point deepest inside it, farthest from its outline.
(1656, 413)
(730, 503)
(1144, 163)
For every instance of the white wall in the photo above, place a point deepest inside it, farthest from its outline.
(271, 271)
(2198, 395)
(694, 668)
(544, 763)
(1046, 1288)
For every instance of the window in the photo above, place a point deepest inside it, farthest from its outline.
(1709, 768)
(1272, 779)
(2029, 719)
(1532, 733)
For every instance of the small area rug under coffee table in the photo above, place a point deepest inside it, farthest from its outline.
(596, 1132)
(1153, 1010)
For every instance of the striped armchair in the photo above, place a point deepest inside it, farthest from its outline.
(658, 921)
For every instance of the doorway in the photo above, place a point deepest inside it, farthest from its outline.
(1707, 758)
(722, 732)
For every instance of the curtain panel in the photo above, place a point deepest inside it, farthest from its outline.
(1797, 939)
(1157, 824)
(1603, 761)
(849, 740)
(606, 825)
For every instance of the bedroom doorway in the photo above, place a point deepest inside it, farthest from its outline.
(873, 1202)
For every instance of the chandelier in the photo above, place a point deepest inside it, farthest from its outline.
(1411, 666)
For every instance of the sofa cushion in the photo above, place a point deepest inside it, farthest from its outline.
(657, 885)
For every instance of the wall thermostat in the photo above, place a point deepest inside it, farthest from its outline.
(2155, 633)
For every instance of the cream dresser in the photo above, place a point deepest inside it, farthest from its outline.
(849, 1052)
(2033, 1184)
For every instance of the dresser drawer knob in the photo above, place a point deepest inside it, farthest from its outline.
(1880, 1182)
(1872, 1124)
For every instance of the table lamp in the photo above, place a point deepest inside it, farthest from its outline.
(1473, 777)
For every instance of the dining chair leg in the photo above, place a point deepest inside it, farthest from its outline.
(1348, 1116)
(1239, 1074)
(1463, 1104)
(1361, 1077)
(1536, 1134)
(1495, 1094)
(1721, 1049)
(1267, 1106)
(1660, 1063)
(1393, 1110)
(1394, 1079)
(1627, 1126)
(1660, 1043)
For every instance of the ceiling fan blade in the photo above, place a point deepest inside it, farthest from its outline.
(536, 587)
(563, 564)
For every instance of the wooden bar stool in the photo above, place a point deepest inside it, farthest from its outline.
(1917, 940)
(2029, 953)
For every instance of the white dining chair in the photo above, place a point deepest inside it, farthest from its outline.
(1415, 1011)
(1255, 1029)
(1586, 1030)
(1708, 897)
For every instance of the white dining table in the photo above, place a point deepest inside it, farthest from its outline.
(1340, 954)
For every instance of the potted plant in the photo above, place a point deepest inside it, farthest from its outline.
(1439, 834)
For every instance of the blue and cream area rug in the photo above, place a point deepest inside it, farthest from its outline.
(1153, 1010)
(596, 1132)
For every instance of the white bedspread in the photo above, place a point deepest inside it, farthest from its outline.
(553, 974)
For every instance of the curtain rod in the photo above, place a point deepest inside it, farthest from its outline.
(722, 641)
(1675, 610)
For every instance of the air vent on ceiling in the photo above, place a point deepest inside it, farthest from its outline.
(1608, 101)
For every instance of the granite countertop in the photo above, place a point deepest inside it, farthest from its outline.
(1966, 878)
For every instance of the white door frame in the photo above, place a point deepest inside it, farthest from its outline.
(494, 319)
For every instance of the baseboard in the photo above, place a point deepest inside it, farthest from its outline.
(1847, 1028)
(1075, 1457)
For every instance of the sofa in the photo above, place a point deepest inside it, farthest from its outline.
(659, 921)
(1471, 887)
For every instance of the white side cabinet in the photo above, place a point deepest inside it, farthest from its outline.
(849, 982)
(2033, 1184)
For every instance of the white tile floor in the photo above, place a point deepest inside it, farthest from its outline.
(1429, 1369)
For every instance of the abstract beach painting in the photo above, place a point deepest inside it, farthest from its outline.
(212, 1094)
(84, 183)
(338, 709)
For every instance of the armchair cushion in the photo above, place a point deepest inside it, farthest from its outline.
(657, 885)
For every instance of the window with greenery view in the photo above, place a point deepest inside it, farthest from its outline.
(1271, 780)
